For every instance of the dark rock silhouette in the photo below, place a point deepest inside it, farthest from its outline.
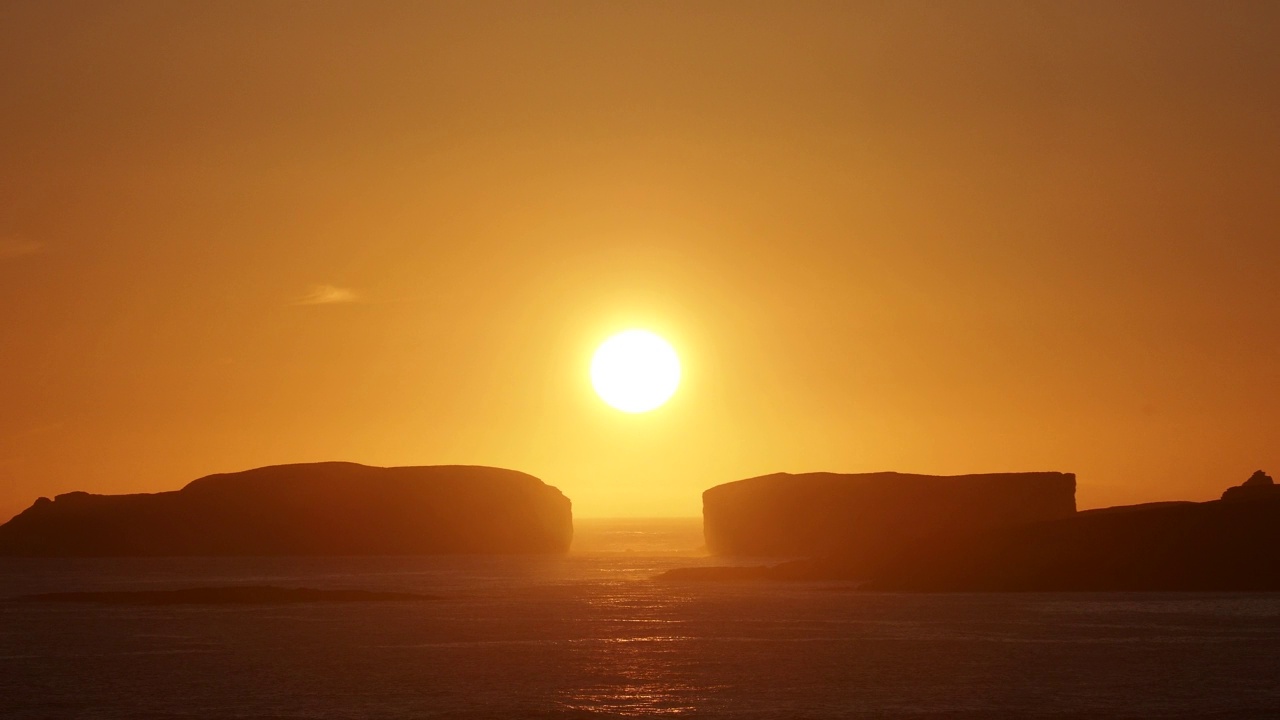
(1223, 545)
(861, 516)
(309, 509)
(1259, 485)
(234, 595)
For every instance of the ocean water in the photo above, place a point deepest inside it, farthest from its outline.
(593, 635)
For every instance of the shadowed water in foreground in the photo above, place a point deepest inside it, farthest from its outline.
(230, 595)
(592, 635)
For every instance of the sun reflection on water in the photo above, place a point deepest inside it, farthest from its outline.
(637, 677)
(638, 670)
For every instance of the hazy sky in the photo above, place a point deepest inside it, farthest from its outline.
(936, 237)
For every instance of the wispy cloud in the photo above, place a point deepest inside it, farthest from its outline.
(328, 295)
(13, 247)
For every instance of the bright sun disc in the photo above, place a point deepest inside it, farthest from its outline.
(635, 371)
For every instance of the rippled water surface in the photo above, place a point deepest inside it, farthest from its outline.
(592, 634)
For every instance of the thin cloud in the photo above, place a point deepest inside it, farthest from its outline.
(18, 247)
(328, 295)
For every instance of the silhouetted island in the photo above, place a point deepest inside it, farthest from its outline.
(1220, 545)
(331, 508)
(785, 515)
(234, 595)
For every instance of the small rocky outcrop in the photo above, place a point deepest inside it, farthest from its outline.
(1259, 485)
(309, 509)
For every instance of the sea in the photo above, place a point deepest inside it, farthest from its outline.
(593, 634)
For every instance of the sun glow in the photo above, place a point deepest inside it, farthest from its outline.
(635, 371)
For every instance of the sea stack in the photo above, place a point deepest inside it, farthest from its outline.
(821, 514)
(331, 508)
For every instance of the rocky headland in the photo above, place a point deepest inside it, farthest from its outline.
(331, 508)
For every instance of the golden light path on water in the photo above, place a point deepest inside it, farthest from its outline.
(644, 670)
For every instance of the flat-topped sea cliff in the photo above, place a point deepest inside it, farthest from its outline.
(331, 508)
(814, 514)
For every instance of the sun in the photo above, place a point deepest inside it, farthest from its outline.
(635, 371)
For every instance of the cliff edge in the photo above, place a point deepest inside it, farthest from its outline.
(331, 508)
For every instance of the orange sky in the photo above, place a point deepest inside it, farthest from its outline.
(935, 237)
